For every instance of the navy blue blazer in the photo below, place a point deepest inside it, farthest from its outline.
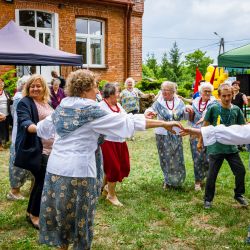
(28, 146)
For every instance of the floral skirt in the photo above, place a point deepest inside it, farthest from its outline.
(67, 211)
(200, 160)
(17, 176)
(171, 157)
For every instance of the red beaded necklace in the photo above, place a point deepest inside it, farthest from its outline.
(117, 108)
(169, 107)
(200, 102)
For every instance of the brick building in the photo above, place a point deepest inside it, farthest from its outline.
(108, 33)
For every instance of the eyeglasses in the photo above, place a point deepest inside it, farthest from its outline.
(207, 91)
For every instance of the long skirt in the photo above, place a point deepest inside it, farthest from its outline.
(67, 211)
(200, 160)
(17, 176)
(170, 150)
(115, 160)
(99, 170)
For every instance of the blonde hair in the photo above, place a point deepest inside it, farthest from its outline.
(171, 85)
(224, 86)
(33, 78)
(79, 81)
(128, 80)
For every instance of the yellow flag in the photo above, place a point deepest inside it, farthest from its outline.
(218, 120)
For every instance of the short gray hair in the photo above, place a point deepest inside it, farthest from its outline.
(206, 85)
(129, 79)
(109, 89)
(169, 84)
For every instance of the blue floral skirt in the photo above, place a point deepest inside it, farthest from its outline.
(171, 157)
(200, 160)
(17, 176)
(67, 211)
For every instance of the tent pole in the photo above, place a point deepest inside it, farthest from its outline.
(40, 70)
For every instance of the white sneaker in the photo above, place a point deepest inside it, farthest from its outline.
(11, 197)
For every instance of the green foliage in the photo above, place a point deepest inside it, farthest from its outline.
(197, 59)
(152, 64)
(175, 62)
(102, 83)
(147, 72)
(10, 80)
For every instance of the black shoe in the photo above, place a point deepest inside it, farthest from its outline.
(241, 200)
(207, 204)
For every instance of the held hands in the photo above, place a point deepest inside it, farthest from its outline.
(174, 127)
(150, 115)
(2, 117)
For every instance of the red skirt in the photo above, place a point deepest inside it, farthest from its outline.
(116, 160)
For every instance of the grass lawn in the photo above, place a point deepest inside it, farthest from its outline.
(151, 217)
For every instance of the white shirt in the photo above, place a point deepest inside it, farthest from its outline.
(105, 107)
(74, 154)
(232, 135)
(3, 104)
(18, 95)
(160, 99)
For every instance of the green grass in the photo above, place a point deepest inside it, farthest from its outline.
(151, 217)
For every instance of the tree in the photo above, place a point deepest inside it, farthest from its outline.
(175, 62)
(165, 68)
(152, 64)
(197, 59)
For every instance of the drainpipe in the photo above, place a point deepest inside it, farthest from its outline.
(127, 39)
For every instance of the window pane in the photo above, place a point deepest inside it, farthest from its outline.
(27, 18)
(32, 33)
(81, 49)
(47, 39)
(44, 20)
(41, 37)
(95, 46)
(81, 26)
(95, 27)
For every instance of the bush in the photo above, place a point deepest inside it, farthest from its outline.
(10, 80)
(102, 83)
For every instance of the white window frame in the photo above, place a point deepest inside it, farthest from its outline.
(88, 37)
(53, 31)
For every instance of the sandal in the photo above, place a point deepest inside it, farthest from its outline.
(12, 197)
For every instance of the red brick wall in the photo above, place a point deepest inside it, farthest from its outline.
(114, 32)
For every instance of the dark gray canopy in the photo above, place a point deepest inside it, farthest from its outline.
(19, 48)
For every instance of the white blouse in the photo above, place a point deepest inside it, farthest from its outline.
(232, 135)
(105, 107)
(74, 154)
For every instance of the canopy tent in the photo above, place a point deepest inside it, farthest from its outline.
(19, 48)
(235, 58)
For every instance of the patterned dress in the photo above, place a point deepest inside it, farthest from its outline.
(17, 176)
(130, 100)
(170, 147)
(200, 159)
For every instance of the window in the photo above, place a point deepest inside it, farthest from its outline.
(38, 24)
(90, 41)
(42, 26)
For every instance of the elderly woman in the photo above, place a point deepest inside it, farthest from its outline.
(169, 107)
(130, 97)
(31, 151)
(56, 93)
(114, 149)
(5, 102)
(17, 176)
(70, 191)
(200, 159)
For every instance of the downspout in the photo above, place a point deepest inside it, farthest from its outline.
(127, 39)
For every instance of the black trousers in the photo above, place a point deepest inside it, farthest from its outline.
(36, 193)
(237, 167)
